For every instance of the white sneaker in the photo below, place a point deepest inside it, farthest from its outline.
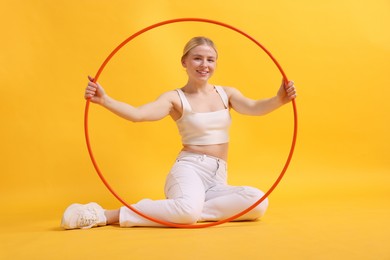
(83, 216)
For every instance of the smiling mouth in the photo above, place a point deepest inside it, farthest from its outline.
(202, 72)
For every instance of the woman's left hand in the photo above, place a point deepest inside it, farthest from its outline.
(287, 92)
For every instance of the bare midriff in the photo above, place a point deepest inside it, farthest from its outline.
(215, 150)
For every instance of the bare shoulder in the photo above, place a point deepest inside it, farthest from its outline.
(172, 97)
(231, 91)
(174, 100)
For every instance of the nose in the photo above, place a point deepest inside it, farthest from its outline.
(204, 63)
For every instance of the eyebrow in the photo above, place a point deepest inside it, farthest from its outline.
(199, 55)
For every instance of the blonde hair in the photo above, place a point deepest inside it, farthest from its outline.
(195, 42)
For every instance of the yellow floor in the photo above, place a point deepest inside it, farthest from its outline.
(309, 218)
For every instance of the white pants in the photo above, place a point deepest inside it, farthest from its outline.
(196, 190)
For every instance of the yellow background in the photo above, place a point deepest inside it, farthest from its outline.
(334, 200)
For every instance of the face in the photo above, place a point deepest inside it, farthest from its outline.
(200, 63)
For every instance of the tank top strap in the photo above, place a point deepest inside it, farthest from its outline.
(186, 105)
(223, 95)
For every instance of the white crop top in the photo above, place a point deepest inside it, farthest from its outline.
(204, 128)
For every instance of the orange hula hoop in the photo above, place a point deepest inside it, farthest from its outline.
(165, 223)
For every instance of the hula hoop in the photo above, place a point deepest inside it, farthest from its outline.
(165, 223)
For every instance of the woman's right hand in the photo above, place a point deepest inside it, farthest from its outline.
(94, 92)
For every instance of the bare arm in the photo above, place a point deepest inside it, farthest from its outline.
(248, 106)
(152, 111)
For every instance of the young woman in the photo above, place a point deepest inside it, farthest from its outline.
(196, 188)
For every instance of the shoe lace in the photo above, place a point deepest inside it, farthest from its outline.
(88, 218)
